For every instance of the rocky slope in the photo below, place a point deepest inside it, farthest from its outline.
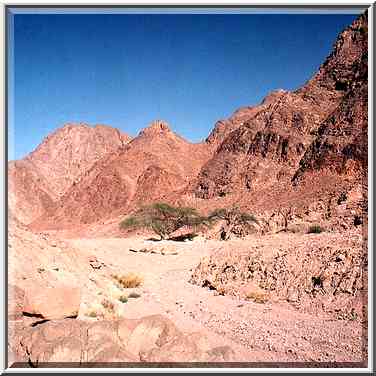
(153, 164)
(29, 192)
(44, 175)
(71, 150)
(261, 160)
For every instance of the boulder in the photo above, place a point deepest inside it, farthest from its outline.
(151, 332)
(52, 303)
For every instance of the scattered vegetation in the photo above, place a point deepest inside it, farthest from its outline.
(123, 299)
(129, 280)
(164, 219)
(108, 305)
(92, 314)
(257, 296)
(233, 218)
(315, 229)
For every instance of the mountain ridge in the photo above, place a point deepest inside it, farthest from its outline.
(267, 150)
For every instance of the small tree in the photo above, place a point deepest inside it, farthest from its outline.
(286, 214)
(233, 217)
(164, 219)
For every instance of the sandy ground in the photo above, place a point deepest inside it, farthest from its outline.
(273, 331)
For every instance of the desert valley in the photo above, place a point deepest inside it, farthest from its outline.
(288, 288)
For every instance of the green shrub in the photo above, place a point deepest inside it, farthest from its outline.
(233, 217)
(315, 229)
(164, 219)
(123, 299)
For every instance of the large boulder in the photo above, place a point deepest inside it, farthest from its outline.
(149, 333)
(52, 303)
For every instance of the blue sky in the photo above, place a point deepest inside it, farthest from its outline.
(126, 70)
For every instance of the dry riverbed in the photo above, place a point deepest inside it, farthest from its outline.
(271, 331)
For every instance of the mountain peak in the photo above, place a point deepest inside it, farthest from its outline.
(156, 127)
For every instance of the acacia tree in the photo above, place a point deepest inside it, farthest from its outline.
(164, 219)
(233, 217)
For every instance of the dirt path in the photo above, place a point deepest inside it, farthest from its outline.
(257, 332)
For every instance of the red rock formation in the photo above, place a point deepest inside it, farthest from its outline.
(323, 124)
(294, 149)
(29, 194)
(71, 150)
(49, 171)
(153, 164)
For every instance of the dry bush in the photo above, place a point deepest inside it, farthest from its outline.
(257, 296)
(109, 306)
(129, 280)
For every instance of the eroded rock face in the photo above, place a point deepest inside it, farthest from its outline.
(316, 271)
(43, 176)
(149, 339)
(268, 157)
(29, 192)
(71, 150)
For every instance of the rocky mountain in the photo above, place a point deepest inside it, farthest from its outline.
(321, 125)
(44, 175)
(71, 150)
(296, 149)
(153, 164)
(29, 192)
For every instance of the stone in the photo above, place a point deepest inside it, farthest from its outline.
(52, 303)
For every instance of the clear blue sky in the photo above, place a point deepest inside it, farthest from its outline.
(126, 70)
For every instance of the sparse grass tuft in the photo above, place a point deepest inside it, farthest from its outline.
(129, 280)
(257, 296)
(123, 299)
(315, 229)
(92, 314)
